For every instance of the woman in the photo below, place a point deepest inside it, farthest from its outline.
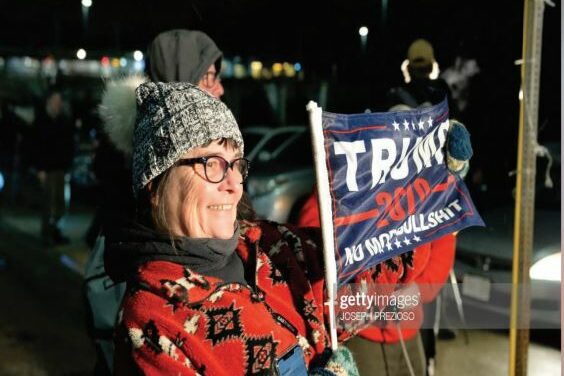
(208, 293)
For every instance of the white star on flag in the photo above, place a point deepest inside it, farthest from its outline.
(416, 238)
(430, 121)
(413, 125)
(406, 125)
(421, 124)
(389, 246)
(396, 126)
(406, 241)
(397, 243)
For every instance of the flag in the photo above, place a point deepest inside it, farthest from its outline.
(388, 185)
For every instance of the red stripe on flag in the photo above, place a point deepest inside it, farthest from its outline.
(355, 218)
(368, 127)
(444, 186)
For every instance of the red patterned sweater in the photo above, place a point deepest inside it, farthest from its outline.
(177, 322)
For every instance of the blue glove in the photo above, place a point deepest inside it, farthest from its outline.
(458, 145)
(459, 149)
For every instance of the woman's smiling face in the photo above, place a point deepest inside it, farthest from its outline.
(198, 208)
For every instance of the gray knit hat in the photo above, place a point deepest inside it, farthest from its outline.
(173, 118)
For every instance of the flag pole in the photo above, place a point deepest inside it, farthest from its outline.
(326, 214)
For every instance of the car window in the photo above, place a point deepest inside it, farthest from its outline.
(275, 141)
(286, 155)
(251, 140)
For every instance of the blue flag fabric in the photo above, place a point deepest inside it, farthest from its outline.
(391, 190)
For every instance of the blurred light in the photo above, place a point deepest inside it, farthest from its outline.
(105, 61)
(49, 67)
(256, 68)
(266, 73)
(138, 55)
(403, 67)
(115, 62)
(123, 62)
(289, 69)
(1, 181)
(81, 54)
(435, 72)
(277, 69)
(87, 3)
(139, 65)
(297, 67)
(226, 68)
(520, 94)
(93, 66)
(363, 31)
(239, 70)
(548, 268)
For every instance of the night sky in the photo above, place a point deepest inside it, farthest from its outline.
(323, 37)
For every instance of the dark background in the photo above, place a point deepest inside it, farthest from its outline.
(323, 37)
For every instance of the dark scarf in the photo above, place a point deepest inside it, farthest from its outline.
(213, 257)
(133, 245)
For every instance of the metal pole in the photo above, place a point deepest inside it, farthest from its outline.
(525, 192)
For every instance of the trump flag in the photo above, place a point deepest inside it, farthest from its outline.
(384, 185)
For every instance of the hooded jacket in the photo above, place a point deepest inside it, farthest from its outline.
(173, 56)
(182, 55)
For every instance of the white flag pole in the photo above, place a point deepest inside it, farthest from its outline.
(326, 214)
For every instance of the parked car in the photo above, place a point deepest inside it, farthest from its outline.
(484, 258)
(282, 174)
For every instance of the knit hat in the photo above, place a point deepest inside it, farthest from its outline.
(173, 118)
(420, 53)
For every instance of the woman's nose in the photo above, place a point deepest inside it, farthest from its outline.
(233, 179)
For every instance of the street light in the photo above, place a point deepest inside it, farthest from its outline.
(138, 55)
(86, 3)
(363, 32)
(81, 54)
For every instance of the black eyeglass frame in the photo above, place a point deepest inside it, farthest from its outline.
(227, 164)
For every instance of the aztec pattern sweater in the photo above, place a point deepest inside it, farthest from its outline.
(175, 321)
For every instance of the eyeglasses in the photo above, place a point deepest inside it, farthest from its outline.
(210, 78)
(215, 167)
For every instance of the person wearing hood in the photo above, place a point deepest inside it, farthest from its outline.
(208, 290)
(173, 56)
(186, 56)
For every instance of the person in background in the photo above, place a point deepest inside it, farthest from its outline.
(422, 86)
(173, 56)
(378, 349)
(53, 152)
(11, 136)
(186, 56)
